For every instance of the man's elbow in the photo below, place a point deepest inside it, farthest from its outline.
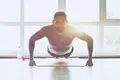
(90, 40)
(31, 40)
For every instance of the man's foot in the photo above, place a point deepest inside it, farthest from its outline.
(89, 63)
(32, 63)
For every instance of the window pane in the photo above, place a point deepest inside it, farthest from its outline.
(40, 45)
(9, 38)
(81, 46)
(113, 11)
(40, 10)
(10, 10)
(82, 10)
(112, 39)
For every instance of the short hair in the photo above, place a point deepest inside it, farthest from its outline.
(60, 13)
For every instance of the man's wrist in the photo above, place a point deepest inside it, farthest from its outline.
(90, 59)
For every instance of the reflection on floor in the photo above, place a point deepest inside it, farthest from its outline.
(103, 69)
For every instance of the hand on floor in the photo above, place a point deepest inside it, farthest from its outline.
(32, 63)
(89, 63)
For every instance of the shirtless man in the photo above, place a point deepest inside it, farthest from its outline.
(60, 36)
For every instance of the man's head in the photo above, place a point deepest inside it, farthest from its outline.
(60, 21)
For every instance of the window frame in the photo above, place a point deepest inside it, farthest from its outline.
(103, 21)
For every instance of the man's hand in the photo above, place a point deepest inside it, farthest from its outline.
(32, 63)
(89, 63)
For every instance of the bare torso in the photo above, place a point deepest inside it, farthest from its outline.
(59, 43)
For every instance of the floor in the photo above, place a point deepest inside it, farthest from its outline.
(103, 69)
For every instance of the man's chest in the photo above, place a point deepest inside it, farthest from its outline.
(60, 40)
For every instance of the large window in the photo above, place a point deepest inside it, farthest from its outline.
(20, 19)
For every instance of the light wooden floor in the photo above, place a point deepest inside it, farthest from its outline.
(103, 69)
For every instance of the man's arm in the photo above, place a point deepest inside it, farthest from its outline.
(89, 40)
(38, 35)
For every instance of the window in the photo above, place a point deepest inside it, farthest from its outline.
(9, 10)
(112, 39)
(113, 11)
(9, 38)
(40, 10)
(82, 10)
(35, 11)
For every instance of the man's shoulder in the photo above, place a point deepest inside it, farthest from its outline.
(47, 27)
(71, 28)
